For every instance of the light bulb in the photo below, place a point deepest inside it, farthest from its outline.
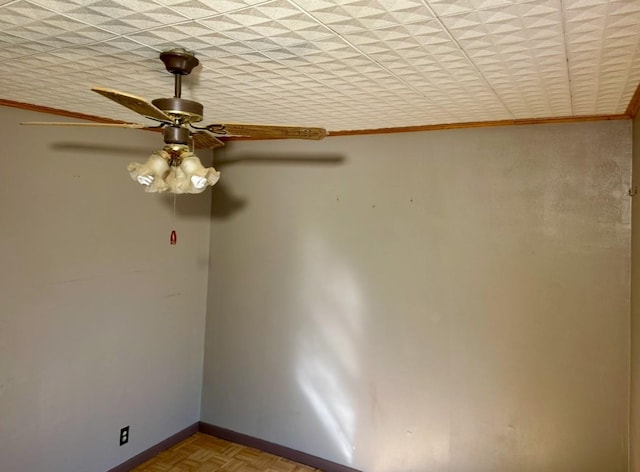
(198, 182)
(145, 179)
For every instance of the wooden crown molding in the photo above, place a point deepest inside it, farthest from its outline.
(56, 111)
(634, 104)
(632, 110)
(482, 124)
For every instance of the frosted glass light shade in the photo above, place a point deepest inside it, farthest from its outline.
(190, 176)
(152, 173)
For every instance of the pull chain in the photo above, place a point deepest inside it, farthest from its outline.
(174, 237)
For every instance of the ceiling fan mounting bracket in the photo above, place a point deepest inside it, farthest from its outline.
(179, 61)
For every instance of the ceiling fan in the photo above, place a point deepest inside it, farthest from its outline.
(175, 167)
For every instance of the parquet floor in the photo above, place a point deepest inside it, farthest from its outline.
(204, 453)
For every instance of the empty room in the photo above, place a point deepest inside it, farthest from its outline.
(302, 235)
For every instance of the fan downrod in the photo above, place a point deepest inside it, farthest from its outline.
(179, 62)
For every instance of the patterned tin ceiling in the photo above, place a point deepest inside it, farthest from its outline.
(344, 65)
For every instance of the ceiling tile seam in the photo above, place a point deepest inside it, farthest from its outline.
(504, 3)
(563, 11)
(214, 15)
(245, 43)
(363, 54)
(471, 62)
(598, 78)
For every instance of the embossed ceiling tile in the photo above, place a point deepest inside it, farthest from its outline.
(201, 8)
(269, 12)
(123, 17)
(232, 73)
(84, 61)
(398, 64)
(521, 41)
(7, 39)
(107, 7)
(631, 83)
(128, 62)
(276, 34)
(73, 36)
(447, 7)
(22, 13)
(194, 37)
(401, 36)
(295, 54)
(284, 39)
(527, 96)
(335, 47)
(14, 51)
(285, 84)
(601, 36)
(46, 27)
(224, 23)
(516, 23)
(139, 21)
(357, 15)
(418, 59)
(187, 31)
(61, 5)
(254, 57)
(395, 66)
(211, 53)
(439, 51)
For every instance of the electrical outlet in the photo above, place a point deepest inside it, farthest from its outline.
(124, 435)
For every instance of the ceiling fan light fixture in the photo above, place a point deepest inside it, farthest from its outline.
(177, 171)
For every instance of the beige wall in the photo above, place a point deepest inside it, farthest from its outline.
(453, 300)
(635, 306)
(101, 321)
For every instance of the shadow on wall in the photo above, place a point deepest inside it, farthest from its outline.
(223, 201)
(111, 149)
(280, 159)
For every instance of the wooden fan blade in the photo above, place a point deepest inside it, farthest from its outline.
(204, 140)
(71, 123)
(137, 104)
(268, 131)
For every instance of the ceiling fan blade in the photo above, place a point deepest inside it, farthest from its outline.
(204, 140)
(137, 104)
(268, 131)
(71, 123)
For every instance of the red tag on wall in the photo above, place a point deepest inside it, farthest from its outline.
(174, 238)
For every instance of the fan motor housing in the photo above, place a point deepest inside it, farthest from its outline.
(188, 111)
(176, 135)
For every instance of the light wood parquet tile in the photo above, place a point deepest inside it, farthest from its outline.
(204, 453)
